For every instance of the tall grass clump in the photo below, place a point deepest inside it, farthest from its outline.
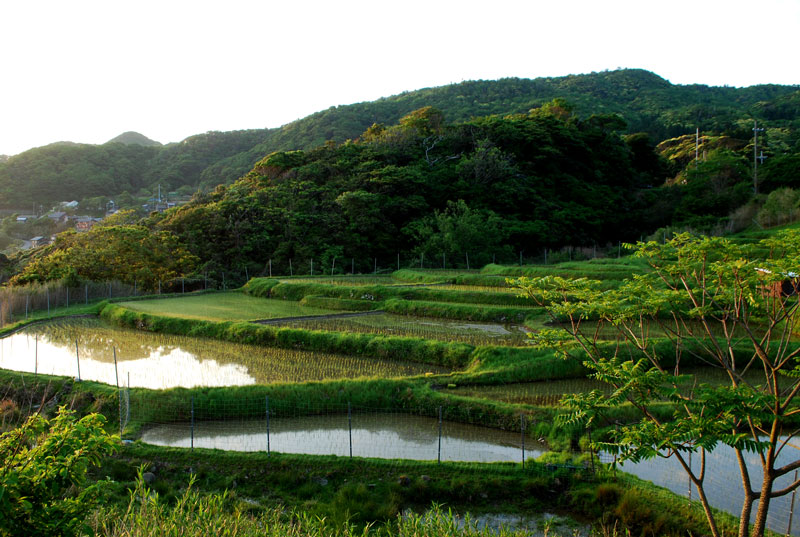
(197, 515)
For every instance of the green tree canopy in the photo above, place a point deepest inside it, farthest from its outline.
(706, 301)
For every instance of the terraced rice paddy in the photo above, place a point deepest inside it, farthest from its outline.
(474, 288)
(389, 436)
(232, 306)
(429, 328)
(549, 393)
(161, 361)
(347, 280)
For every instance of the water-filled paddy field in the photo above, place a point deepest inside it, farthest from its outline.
(550, 392)
(159, 361)
(389, 436)
(723, 481)
(429, 328)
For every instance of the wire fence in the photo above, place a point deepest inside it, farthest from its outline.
(20, 302)
(439, 434)
(268, 424)
(722, 482)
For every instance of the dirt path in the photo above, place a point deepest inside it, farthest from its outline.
(316, 317)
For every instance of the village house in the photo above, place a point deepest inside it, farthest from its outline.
(39, 241)
(58, 217)
(84, 223)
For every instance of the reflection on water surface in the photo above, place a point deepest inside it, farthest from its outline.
(160, 361)
(389, 436)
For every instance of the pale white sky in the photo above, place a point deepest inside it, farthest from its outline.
(88, 70)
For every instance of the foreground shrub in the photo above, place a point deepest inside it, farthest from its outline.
(194, 515)
(43, 468)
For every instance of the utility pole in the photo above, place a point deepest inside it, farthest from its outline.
(696, 147)
(756, 130)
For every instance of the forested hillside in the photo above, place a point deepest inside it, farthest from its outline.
(425, 188)
(647, 102)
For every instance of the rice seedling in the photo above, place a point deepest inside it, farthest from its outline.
(505, 288)
(162, 361)
(473, 333)
(355, 280)
(550, 392)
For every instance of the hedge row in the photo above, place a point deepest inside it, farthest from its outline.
(468, 312)
(268, 288)
(566, 270)
(345, 304)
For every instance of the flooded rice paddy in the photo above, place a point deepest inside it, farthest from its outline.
(387, 436)
(723, 481)
(550, 392)
(429, 328)
(159, 361)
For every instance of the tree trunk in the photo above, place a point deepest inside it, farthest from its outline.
(744, 521)
(763, 502)
(712, 522)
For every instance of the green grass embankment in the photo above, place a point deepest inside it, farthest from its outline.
(413, 301)
(335, 491)
(468, 312)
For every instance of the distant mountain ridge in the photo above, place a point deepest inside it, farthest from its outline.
(647, 102)
(133, 138)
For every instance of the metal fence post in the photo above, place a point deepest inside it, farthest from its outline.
(116, 371)
(350, 427)
(78, 358)
(522, 430)
(267, 403)
(192, 426)
(439, 456)
(791, 509)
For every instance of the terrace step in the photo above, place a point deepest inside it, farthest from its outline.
(314, 317)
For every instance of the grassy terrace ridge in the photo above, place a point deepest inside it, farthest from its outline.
(283, 290)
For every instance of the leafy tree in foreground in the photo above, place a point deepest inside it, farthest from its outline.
(43, 468)
(708, 301)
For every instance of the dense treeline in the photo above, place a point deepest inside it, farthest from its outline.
(648, 103)
(67, 171)
(490, 186)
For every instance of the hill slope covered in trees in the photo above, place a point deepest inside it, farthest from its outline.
(646, 102)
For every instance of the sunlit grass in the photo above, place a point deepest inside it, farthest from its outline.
(232, 306)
